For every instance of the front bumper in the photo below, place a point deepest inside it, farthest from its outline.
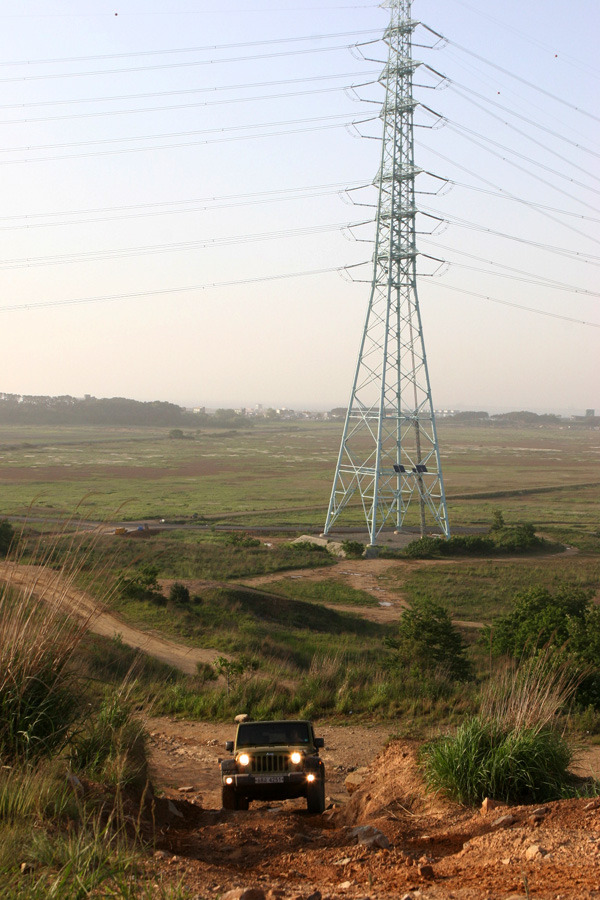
(277, 785)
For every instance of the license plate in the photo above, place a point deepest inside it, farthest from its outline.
(268, 779)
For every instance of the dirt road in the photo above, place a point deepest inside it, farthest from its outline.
(435, 850)
(51, 585)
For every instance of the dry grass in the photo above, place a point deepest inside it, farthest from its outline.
(38, 637)
(530, 695)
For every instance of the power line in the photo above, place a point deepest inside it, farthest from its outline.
(543, 210)
(532, 309)
(459, 88)
(173, 207)
(44, 304)
(201, 49)
(202, 90)
(529, 84)
(171, 107)
(521, 275)
(180, 65)
(179, 246)
(557, 251)
(185, 144)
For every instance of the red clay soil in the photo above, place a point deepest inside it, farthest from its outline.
(438, 850)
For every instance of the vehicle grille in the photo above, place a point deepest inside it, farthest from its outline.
(273, 762)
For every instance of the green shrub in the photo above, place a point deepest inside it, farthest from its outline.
(423, 548)
(353, 549)
(500, 539)
(427, 640)
(513, 750)
(539, 617)
(241, 539)
(179, 593)
(141, 586)
(513, 765)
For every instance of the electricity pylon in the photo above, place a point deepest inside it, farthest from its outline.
(389, 454)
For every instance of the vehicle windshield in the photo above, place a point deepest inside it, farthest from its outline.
(260, 734)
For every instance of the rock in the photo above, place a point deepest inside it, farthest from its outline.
(534, 851)
(426, 871)
(504, 821)
(248, 893)
(342, 862)
(540, 811)
(593, 804)
(487, 805)
(344, 886)
(370, 837)
(535, 821)
(316, 895)
(242, 717)
(355, 779)
(173, 810)
(161, 854)
(188, 789)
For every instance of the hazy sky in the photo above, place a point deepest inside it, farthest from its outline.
(163, 173)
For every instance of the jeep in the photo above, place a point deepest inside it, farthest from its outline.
(274, 761)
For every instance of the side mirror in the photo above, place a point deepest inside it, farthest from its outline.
(319, 743)
(229, 746)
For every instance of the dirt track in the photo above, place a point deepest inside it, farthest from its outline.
(437, 850)
(281, 849)
(51, 585)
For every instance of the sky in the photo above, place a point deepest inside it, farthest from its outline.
(183, 192)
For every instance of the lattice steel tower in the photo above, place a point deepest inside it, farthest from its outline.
(389, 454)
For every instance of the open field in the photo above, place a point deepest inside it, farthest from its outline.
(278, 474)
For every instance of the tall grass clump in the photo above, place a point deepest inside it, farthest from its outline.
(514, 750)
(37, 640)
(112, 745)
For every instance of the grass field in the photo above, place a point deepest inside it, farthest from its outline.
(279, 474)
(309, 659)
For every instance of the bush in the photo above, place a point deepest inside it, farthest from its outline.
(483, 759)
(141, 586)
(513, 750)
(424, 548)
(500, 539)
(538, 617)
(353, 549)
(241, 539)
(179, 593)
(427, 640)
(566, 619)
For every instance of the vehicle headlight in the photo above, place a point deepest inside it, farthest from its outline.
(296, 757)
(244, 759)
(310, 777)
(229, 780)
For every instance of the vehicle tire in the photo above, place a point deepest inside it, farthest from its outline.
(242, 803)
(315, 796)
(228, 798)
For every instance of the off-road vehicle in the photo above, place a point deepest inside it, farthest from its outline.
(274, 761)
